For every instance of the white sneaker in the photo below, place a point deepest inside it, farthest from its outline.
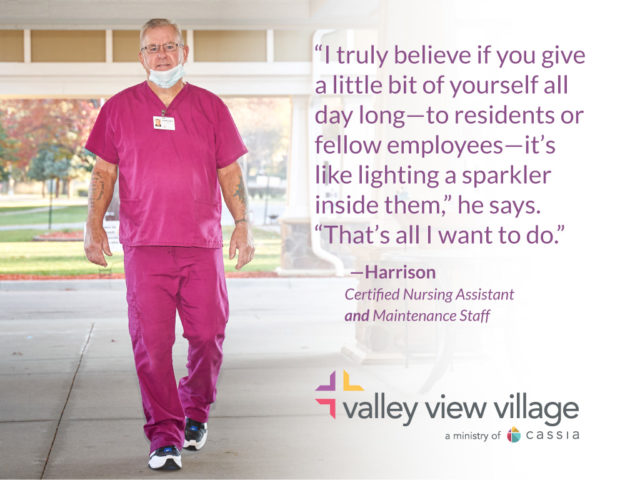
(195, 435)
(165, 458)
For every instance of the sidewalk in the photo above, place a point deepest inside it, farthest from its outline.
(44, 226)
(70, 400)
(71, 405)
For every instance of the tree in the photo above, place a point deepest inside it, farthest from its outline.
(60, 125)
(54, 162)
(264, 124)
(7, 148)
(263, 146)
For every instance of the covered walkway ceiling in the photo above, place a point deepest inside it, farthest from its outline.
(200, 14)
(268, 43)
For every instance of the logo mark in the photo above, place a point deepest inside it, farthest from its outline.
(347, 387)
(328, 401)
(331, 387)
(513, 435)
(332, 384)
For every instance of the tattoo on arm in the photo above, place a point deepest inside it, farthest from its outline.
(97, 188)
(241, 192)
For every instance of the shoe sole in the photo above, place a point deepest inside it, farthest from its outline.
(171, 463)
(193, 445)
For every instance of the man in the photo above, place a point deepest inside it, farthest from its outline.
(172, 143)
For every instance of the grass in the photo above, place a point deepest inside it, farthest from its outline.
(19, 235)
(19, 255)
(49, 258)
(19, 208)
(69, 214)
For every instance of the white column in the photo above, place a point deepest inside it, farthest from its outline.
(270, 47)
(190, 43)
(27, 46)
(108, 56)
(298, 161)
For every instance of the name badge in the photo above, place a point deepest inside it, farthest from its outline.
(164, 123)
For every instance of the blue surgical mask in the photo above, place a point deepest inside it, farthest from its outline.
(167, 78)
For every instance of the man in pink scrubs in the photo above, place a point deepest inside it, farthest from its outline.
(173, 144)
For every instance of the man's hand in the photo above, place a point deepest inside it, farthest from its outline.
(236, 197)
(95, 243)
(242, 241)
(103, 179)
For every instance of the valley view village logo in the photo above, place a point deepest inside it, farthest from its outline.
(366, 405)
(331, 387)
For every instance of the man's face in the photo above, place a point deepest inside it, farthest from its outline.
(162, 60)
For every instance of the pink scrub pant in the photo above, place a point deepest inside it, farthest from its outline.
(159, 281)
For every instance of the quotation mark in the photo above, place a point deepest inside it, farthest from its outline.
(318, 47)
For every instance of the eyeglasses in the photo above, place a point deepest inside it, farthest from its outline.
(168, 47)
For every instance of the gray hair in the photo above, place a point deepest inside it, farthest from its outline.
(160, 22)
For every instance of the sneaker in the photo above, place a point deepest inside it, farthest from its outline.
(195, 435)
(165, 458)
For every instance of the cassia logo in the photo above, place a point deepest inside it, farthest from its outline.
(513, 435)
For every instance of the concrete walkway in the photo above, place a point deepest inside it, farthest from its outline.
(70, 400)
(70, 403)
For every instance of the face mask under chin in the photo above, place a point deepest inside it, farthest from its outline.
(167, 78)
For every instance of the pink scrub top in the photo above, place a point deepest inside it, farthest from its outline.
(169, 192)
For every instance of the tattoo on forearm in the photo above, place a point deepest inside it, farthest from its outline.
(241, 192)
(97, 188)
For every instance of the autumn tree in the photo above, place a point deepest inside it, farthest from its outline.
(264, 124)
(7, 148)
(53, 162)
(60, 127)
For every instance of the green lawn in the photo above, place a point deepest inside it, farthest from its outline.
(68, 214)
(19, 255)
(19, 208)
(19, 235)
